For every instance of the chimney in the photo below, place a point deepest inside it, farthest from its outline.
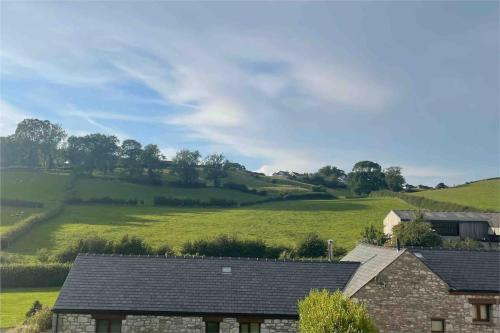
(330, 250)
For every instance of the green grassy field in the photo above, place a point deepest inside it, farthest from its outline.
(94, 187)
(14, 303)
(482, 194)
(33, 185)
(280, 223)
(30, 185)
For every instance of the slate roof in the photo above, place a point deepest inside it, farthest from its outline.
(462, 270)
(492, 218)
(142, 284)
(373, 260)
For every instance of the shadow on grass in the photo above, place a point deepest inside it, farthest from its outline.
(311, 205)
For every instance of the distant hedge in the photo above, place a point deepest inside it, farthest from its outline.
(186, 202)
(103, 201)
(243, 188)
(24, 226)
(423, 202)
(28, 276)
(20, 203)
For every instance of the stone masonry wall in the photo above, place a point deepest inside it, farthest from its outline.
(406, 295)
(82, 323)
(74, 323)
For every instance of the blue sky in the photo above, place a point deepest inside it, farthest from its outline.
(290, 86)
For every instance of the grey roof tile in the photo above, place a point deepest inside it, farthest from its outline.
(195, 285)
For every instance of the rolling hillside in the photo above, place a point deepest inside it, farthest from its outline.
(484, 194)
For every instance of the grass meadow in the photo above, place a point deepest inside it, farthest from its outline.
(14, 303)
(279, 223)
(483, 194)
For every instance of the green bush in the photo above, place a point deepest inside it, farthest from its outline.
(374, 236)
(132, 245)
(20, 203)
(231, 246)
(324, 312)
(22, 227)
(36, 306)
(87, 245)
(312, 246)
(41, 321)
(102, 201)
(28, 276)
(416, 233)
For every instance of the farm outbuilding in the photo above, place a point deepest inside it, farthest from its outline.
(474, 225)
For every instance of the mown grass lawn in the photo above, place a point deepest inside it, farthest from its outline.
(14, 303)
(97, 187)
(483, 194)
(279, 223)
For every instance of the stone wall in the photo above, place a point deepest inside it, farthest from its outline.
(73, 323)
(406, 295)
(82, 323)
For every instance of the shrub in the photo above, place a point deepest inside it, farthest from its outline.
(102, 201)
(132, 245)
(462, 244)
(87, 245)
(416, 233)
(243, 188)
(36, 306)
(231, 246)
(22, 227)
(318, 188)
(41, 321)
(164, 250)
(308, 196)
(312, 246)
(374, 236)
(27, 276)
(322, 311)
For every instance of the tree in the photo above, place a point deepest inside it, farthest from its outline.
(394, 179)
(441, 186)
(151, 160)
(185, 165)
(312, 246)
(40, 139)
(416, 233)
(131, 154)
(93, 151)
(324, 312)
(374, 236)
(215, 167)
(366, 176)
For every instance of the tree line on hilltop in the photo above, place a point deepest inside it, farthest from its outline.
(40, 143)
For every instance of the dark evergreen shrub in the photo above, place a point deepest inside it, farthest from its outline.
(28, 276)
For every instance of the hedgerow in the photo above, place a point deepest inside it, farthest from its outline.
(27, 276)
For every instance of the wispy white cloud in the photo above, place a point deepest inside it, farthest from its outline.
(10, 116)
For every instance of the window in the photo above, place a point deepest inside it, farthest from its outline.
(212, 327)
(437, 325)
(108, 325)
(249, 327)
(481, 312)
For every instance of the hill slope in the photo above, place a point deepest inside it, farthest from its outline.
(484, 194)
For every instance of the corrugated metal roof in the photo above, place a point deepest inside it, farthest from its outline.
(493, 219)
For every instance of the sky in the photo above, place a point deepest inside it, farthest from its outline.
(272, 85)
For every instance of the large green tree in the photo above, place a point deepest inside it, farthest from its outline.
(151, 160)
(185, 165)
(39, 140)
(215, 167)
(366, 176)
(394, 179)
(131, 157)
(93, 152)
(417, 232)
(333, 312)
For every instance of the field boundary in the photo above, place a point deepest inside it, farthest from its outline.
(427, 203)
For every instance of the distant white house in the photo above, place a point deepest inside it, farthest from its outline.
(475, 225)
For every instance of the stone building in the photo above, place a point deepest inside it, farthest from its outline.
(129, 294)
(428, 290)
